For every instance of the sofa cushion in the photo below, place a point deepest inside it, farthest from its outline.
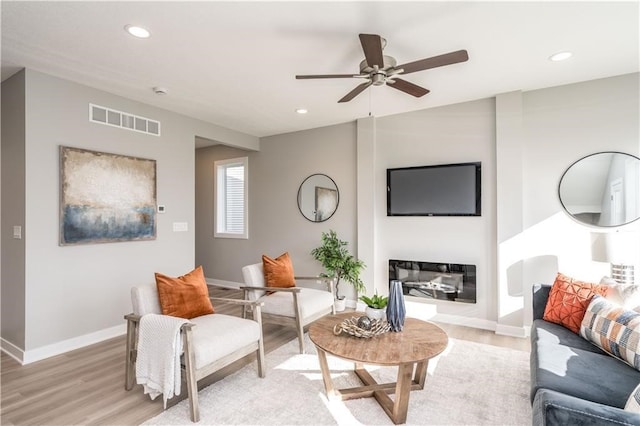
(554, 408)
(633, 403)
(186, 296)
(614, 329)
(568, 301)
(218, 335)
(550, 333)
(581, 373)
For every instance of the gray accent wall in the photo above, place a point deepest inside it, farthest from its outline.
(74, 295)
(275, 223)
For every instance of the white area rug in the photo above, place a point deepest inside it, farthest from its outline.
(469, 384)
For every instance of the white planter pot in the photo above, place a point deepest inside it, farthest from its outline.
(339, 304)
(375, 313)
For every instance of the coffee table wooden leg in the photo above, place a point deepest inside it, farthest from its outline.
(403, 388)
(420, 376)
(326, 375)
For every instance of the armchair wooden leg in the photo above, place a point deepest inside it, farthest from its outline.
(300, 334)
(260, 353)
(130, 371)
(192, 383)
(299, 326)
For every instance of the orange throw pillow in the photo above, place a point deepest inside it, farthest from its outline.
(186, 296)
(278, 272)
(568, 301)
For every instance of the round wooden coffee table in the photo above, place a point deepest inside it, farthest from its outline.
(409, 349)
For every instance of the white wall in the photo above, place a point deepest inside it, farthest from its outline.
(563, 124)
(75, 295)
(453, 134)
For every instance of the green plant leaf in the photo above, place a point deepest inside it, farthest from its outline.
(338, 262)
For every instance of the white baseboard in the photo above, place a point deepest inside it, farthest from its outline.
(512, 330)
(466, 321)
(222, 283)
(38, 354)
(12, 350)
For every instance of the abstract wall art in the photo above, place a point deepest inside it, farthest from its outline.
(106, 197)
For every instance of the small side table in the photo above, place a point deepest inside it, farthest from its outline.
(409, 349)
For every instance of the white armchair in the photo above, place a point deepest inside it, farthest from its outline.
(210, 342)
(294, 305)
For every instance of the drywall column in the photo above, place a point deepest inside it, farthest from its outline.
(365, 187)
(509, 213)
(13, 214)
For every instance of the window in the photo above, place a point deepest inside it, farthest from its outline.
(231, 210)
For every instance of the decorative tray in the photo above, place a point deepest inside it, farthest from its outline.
(362, 327)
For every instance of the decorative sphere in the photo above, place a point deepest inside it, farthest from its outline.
(364, 323)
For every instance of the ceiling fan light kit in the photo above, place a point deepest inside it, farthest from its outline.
(379, 69)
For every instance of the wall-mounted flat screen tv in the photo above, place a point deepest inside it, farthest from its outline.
(440, 190)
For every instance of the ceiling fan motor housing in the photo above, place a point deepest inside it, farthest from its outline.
(389, 62)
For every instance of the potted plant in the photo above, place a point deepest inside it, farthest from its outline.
(376, 305)
(339, 264)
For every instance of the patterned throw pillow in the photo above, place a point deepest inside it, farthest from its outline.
(633, 403)
(568, 300)
(613, 329)
(625, 295)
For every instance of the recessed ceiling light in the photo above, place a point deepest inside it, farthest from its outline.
(301, 111)
(137, 31)
(560, 56)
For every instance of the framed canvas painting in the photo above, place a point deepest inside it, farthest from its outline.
(106, 197)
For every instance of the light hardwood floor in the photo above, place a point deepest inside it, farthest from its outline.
(86, 386)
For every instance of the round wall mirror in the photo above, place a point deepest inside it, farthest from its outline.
(318, 198)
(602, 189)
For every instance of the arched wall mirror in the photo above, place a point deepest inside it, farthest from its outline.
(602, 189)
(318, 198)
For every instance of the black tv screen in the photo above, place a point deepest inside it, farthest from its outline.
(442, 190)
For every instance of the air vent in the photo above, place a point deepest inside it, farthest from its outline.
(124, 120)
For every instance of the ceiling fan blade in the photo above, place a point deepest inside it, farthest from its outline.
(372, 47)
(306, 77)
(434, 62)
(355, 92)
(405, 86)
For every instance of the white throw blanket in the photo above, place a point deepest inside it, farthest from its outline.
(158, 360)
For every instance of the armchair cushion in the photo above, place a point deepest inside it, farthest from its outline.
(186, 296)
(211, 330)
(278, 272)
(145, 299)
(311, 301)
(254, 277)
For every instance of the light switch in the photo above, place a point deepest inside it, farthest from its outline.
(180, 226)
(17, 232)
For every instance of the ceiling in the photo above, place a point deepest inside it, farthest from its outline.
(234, 63)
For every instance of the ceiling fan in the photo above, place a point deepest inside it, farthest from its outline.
(378, 69)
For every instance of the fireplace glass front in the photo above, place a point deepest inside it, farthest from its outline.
(444, 281)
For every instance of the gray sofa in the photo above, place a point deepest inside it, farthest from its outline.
(573, 382)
